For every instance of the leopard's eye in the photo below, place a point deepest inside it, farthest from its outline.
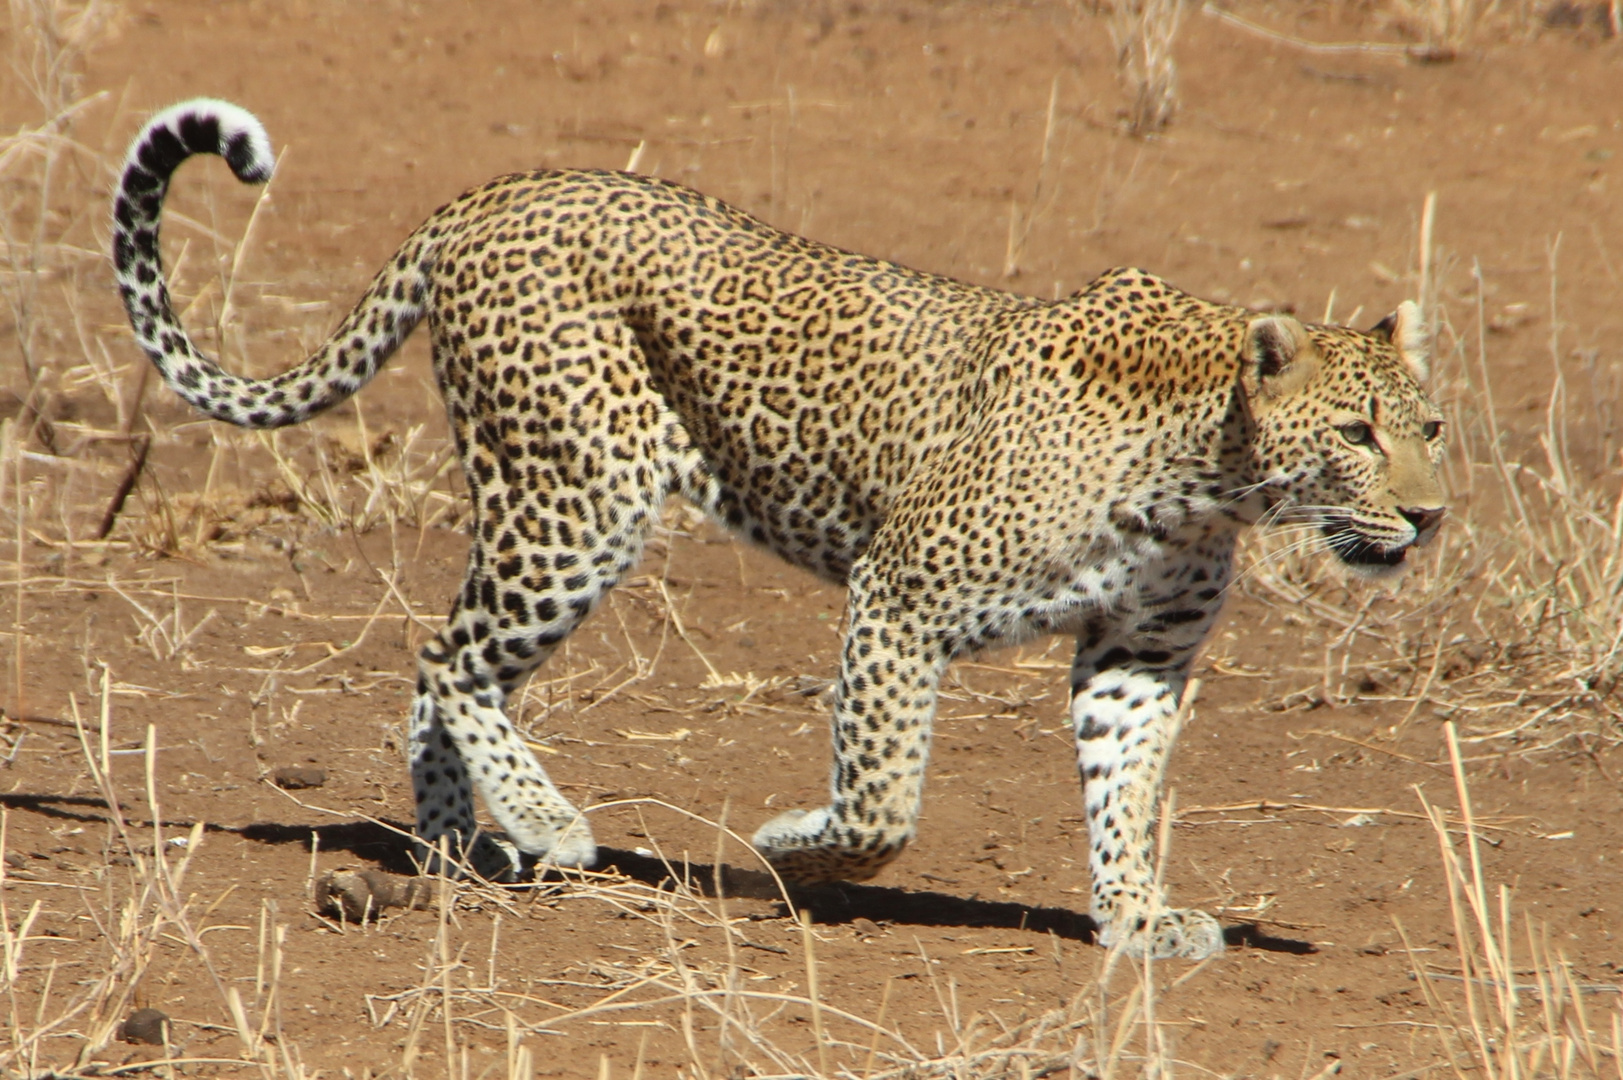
(1358, 433)
(1431, 429)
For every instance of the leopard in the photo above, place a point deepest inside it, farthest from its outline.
(976, 467)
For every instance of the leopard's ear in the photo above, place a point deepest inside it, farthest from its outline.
(1406, 330)
(1279, 358)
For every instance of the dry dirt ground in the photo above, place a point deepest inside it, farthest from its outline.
(257, 611)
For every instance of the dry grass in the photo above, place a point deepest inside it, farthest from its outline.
(1445, 25)
(42, 226)
(83, 461)
(1445, 28)
(1513, 626)
(60, 1026)
(1143, 32)
(150, 918)
(1506, 1015)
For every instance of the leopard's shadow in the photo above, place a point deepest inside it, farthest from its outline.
(846, 902)
(386, 846)
(842, 903)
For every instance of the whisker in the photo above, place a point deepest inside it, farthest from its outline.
(1265, 562)
(1313, 541)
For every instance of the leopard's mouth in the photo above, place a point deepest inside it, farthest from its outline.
(1356, 549)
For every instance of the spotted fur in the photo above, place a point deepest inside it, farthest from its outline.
(977, 467)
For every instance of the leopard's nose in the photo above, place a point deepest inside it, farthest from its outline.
(1425, 520)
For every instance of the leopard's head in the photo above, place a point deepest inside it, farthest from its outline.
(1345, 444)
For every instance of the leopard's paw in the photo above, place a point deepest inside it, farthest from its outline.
(808, 847)
(496, 858)
(488, 857)
(1182, 932)
(546, 828)
(569, 845)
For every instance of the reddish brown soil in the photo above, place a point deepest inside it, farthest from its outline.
(905, 130)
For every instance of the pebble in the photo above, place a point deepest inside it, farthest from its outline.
(357, 895)
(295, 777)
(150, 1026)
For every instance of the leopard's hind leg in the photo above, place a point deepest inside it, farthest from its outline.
(561, 513)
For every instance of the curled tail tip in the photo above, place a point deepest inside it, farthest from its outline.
(202, 126)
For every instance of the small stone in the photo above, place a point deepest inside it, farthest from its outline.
(150, 1026)
(296, 777)
(16, 860)
(358, 895)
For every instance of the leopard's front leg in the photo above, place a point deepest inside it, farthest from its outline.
(1125, 692)
(884, 701)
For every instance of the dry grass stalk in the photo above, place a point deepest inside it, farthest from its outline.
(1495, 1021)
(1446, 26)
(140, 446)
(811, 991)
(1143, 32)
(48, 39)
(1021, 221)
(1426, 287)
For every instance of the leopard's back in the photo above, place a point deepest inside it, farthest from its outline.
(809, 380)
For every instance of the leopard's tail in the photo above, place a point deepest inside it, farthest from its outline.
(343, 364)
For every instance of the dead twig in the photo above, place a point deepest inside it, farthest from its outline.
(139, 446)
